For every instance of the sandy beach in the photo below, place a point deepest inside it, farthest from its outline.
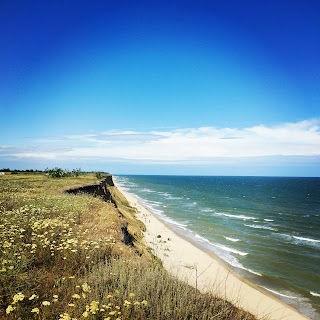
(204, 270)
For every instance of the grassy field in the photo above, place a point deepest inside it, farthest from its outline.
(63, 256)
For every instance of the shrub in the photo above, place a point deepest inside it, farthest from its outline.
(99, 175)
(60, 173)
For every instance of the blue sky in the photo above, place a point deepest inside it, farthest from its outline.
(161, 87)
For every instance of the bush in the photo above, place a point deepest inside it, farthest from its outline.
(76, 172)
(100, 175)
(60, 173)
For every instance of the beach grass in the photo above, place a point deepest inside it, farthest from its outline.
(64, 256)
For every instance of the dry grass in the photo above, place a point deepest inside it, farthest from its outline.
(63, 257)
(167, 297)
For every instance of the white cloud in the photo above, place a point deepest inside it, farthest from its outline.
(196, 145)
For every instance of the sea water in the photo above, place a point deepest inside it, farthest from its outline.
(266, 228)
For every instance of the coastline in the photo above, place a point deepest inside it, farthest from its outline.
(202, 269)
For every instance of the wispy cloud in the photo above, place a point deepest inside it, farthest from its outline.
(107, 137)
(196, 145)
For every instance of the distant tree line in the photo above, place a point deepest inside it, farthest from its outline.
(15, 171)
(57, 172)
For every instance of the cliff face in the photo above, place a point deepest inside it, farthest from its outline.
(97, 190)
(108, 180)
(132, 229)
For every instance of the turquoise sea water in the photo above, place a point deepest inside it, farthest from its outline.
(266, 228)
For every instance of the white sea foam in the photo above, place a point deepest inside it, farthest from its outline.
(151, 202)
(147, 190)
(268, 220)
(220, 246)
(202, 238)
(232, 239)
(169, 197)
(306, 239)
(152, 206)
(166, 194)
(129, 184)
(207, 210)
(235, 216)
(222, 252)
(252, 271)
(284, 236)
(256, 226)
(315, 294)
(156, 203)
(157, 211)
(175, 223)
(279, 293)
(230, 250)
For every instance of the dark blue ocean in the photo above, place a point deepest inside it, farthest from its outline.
(266, 228)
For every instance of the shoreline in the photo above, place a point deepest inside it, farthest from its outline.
(202, 269)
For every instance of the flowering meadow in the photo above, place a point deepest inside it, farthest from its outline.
(63, 256)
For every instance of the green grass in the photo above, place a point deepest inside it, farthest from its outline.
(62, 257)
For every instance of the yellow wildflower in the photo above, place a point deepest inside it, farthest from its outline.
(71, 304)
(144, 302)
(94, 306)
(64, 316)
(6, 244)
(9, 309)
(76, 296)
(35, 310)
(127, 303)
(131, 295)
(17, 297)
(33, 297)
(86, 288)
(46, 303)
(85, 314)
